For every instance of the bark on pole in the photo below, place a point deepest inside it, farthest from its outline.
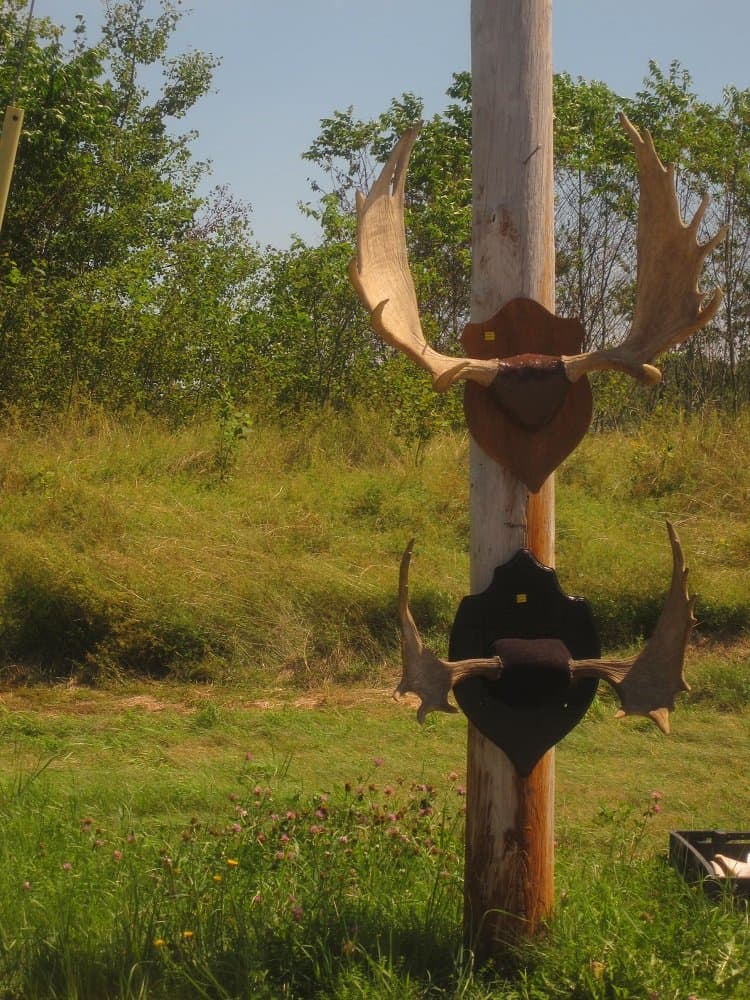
(509, 830)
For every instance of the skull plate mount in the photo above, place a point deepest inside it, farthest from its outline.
(536, 629)
(531, 417)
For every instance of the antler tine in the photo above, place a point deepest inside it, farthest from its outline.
(660, 229)
(647, 684)
(391, 181)
(424, 674)
(381, 277)
(669, 305)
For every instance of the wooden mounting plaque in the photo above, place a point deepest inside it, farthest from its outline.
(525, 713)
(525, 328)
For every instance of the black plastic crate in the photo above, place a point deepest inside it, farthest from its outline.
(691, 852)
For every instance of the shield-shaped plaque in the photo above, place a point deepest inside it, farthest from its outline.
(535, 627)
(531, 417)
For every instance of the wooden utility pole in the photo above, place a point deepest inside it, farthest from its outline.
(537, 409)
(12, 124)
(509, 881)
(509, 830)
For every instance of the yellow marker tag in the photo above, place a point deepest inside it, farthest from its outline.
(489, 335)
(521, 598)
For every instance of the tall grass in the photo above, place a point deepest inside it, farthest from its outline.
(615, 493)
(127, 546)
(356, 892)
(153, 840)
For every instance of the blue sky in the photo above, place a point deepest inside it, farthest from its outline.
(288, 63)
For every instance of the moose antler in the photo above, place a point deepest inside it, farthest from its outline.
(424, 674)
(669, 306)
(646, 684)
(382, 279)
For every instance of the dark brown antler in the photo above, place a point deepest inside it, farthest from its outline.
(424, 674)
(647, 684)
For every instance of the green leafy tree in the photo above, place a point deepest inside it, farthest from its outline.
(596, 212)
(99, 173)
(723, 146)
(312, 346)
(438, 210)
(116, 279)
(594, 208)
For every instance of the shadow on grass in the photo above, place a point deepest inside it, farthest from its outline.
(59, 627)
(316, 961)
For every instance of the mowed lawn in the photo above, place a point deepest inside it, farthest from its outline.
(159, 751)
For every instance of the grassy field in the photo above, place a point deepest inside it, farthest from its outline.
(215, 796)
(167, 840)
(130, 549)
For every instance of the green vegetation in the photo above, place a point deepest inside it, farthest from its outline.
(175, 841)
(119, 284)
(204, 554)
(209, 468)
(265, 563)
(136, 548)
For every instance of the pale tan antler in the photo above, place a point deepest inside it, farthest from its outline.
(424, 674)
(669, 305)
(647, 684)
(382, 279)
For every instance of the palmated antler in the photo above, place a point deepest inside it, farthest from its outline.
(424, 674)
(647, 684)
(669, 305)
(382, 279)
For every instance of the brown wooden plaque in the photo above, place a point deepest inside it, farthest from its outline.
(531, 418)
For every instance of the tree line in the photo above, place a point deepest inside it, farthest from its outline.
(120, 284)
